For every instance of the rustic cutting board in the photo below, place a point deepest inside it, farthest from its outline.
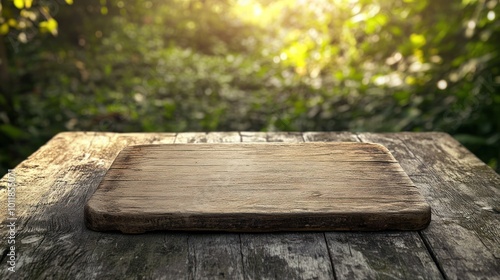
(256, 187)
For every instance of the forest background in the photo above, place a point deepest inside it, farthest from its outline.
(258, 65)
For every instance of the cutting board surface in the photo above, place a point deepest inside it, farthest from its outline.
(256, 187)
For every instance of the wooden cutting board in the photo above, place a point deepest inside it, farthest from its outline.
(256, 187)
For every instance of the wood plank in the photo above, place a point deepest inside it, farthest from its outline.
(213, 256)
(284, 255)
(248, 136)
(287, 137)
(52, 241)
(464, 236)
(321, 136)
(256, 187)
(191, 137)
(384, 255)
(223, 137)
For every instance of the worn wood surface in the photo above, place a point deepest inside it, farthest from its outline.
(256, 187)
(53, 184)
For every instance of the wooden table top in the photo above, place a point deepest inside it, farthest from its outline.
(52, 242)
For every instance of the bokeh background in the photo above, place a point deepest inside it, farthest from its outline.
(260, 65)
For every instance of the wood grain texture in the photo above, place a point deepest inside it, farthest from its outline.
(286, 256)
(55, 182)
(53, 243)
(463, 193)
(256, 187)
(291, 255)
(384, 255)
(213, 256)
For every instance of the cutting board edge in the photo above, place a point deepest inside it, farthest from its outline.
(101, 220)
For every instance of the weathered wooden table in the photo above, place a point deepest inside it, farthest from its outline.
(52, 242)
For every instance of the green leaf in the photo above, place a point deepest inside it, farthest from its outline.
(468, 139)
(108, 69)
(11, 131)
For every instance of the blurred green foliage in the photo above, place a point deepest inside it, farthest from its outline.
(294, 65)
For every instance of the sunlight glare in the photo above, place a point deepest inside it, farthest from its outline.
(251, 11)
(442, 84)
(491, 15)
(257, 10)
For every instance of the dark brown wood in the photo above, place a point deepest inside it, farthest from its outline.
(256, 187)
(55, 182)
